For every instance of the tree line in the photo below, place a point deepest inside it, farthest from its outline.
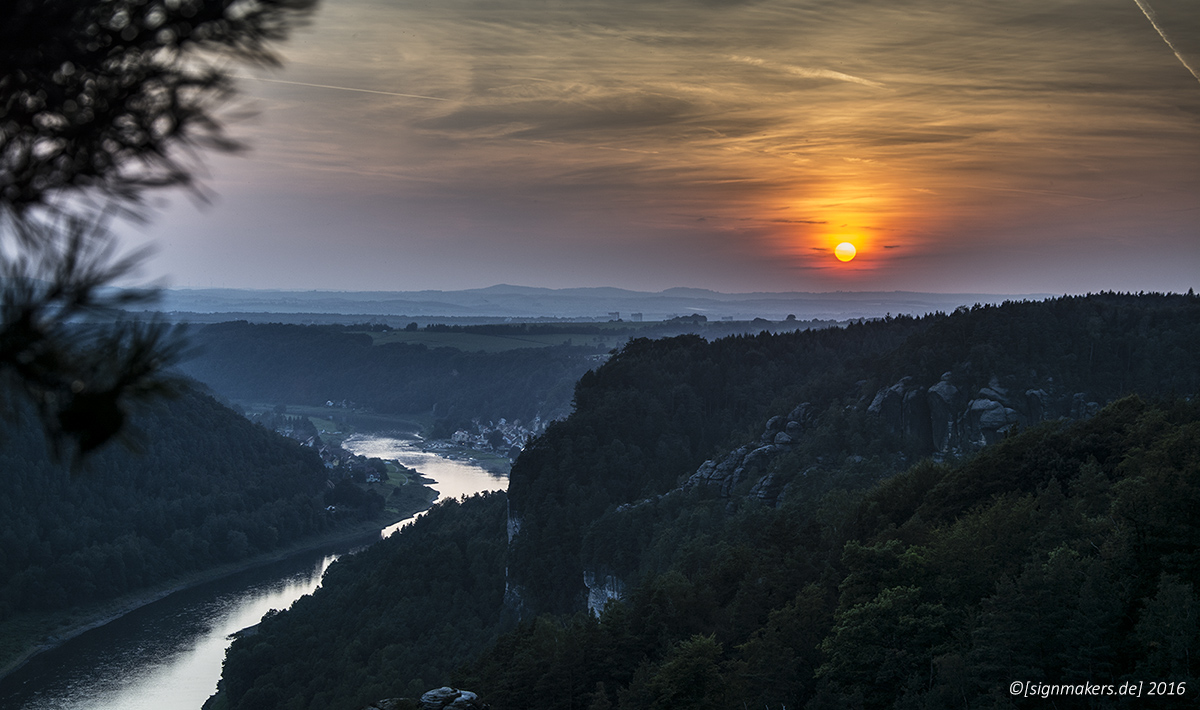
(202, 487)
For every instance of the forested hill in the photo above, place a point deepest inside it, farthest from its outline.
(207, 488)
(850, 517)
(1065, 555)
(295, 364)
(840, 407)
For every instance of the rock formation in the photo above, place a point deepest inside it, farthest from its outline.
(602, 588)
(941, 420)
(444, 698)
(752, 460)
(447, 698)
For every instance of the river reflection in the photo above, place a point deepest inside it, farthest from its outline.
(168, 655)
(452, 478)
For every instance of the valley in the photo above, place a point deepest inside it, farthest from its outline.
(756, 512)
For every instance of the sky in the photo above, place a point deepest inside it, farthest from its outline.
(1025, 146)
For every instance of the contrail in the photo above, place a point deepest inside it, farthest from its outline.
(344, 88)
(1149, 13)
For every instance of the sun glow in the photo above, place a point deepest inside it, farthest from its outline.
(844, 251)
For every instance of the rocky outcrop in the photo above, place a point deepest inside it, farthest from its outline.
(447, 698)
(1081, 408)
(601, 589)
(734, 468)
(1037, 402)
(945, 405)
(770, 489)
(514, 598)
(750, 461)
(987, 420)
(940, 419)
(444, 698)
(943, 419)
(904, 409)
(888, 404)
(514, 524)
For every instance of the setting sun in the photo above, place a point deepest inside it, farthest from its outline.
(844, 251)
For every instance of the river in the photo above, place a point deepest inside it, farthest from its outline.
(167, 655)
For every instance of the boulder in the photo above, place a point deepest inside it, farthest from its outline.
(774, 424)
(998, 417)
(987, 419)
(996, 394)
(447, 698)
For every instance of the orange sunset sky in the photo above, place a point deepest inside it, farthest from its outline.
(1022, 146)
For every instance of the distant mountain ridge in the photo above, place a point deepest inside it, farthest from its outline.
(598, 303)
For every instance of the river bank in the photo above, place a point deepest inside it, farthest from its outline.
(54, 629)
(166, 652)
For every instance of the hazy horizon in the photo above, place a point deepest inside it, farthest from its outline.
(1025, 147)
(526, 303)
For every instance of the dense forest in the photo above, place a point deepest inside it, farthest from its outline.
(294, 364)
(845, 561)
(425, 602)
(651, 416)
(204, 487)
(1062, 555)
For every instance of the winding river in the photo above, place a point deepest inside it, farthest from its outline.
(167, 655)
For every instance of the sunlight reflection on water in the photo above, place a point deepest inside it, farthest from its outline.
(453, 478)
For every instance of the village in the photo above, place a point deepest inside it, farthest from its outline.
(505, 438)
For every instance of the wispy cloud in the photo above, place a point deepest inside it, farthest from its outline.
(807, 72)
(973, 123)
(343, 88)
